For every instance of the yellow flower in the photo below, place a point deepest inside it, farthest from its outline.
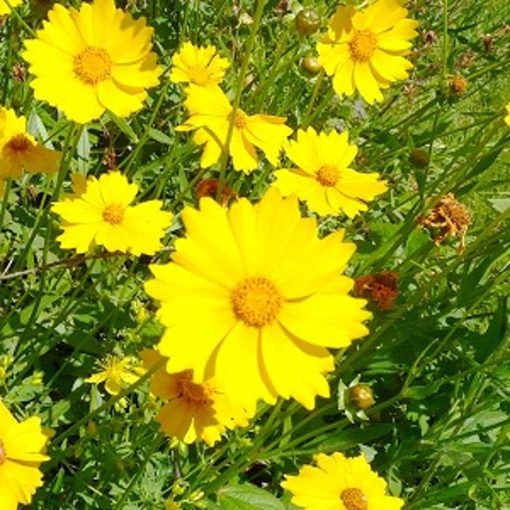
(193, 410)
(201, 66)
(323, 178)
(364, 49)
(95, 59)
(21, 447)
(252, 298)
(5, 9)
(103, 215)
(210, 113)
(19, 150)
(117, 372)
(340, 483)
(507, 118)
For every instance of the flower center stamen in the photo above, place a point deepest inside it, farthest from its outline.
(92, 65)
(354, 499)
(328, 175)
(193, 393)
(256, 301)
(19, 143)
(241, 119)
(363, 45)
(113, 214)
(3, 455)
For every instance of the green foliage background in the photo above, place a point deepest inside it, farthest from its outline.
(438, 362)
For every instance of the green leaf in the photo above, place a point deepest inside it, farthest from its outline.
(247, 497)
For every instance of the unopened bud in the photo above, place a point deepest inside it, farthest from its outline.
(361, 396)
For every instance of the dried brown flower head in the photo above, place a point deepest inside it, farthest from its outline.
(380, 288)
(458, 84)
(448, 218)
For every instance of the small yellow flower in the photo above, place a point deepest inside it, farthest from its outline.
(252, 298)
(199, 65)
(19, 150)
(193, 410)
(21, 453)
(95, 59)
(322, 177)
(340, 483)
(116, 373)
(364, 50)
(210, 114)
(507, 118)
(5, 9)
(102, 215)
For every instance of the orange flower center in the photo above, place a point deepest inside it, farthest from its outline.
(198, 75)
(328, 175)
(113, 214)
(19, 143)
(256, 301)
(363, 45)
(3, 455)
(193, 393)
(241, 119)
(354, 499)
(92, 65)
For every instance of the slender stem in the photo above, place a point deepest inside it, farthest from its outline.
(237, 99)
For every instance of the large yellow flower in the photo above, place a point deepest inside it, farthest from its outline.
(5, 9)
(210, 112)
(252, 297)
(102, 215)
(21, 447)
(340, 483)
(19, 150)
(364, 49)
(199, 65)
(323, 178)
(193, 410)
(95, 59)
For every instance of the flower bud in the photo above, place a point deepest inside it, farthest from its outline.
(419, 157)
(307, 21)
(310, 65)
(361, 396)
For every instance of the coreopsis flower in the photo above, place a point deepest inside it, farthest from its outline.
(322, 177)
(192, 410)
(340, 483)
(21, 453)
(103, 215)
(365, 50)
(270, 297)
(210, 113)
(19, 150)
(95, 59)
(199, 65)
(507, 118)
(448, 218)
(117, 373)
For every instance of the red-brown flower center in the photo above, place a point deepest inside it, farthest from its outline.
(19, 143)
(354, 499)
(193, 393)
